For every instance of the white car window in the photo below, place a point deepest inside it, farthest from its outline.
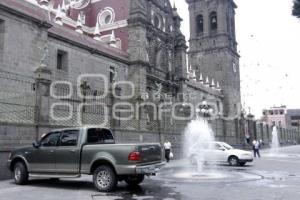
(217, 147)
(227, 146)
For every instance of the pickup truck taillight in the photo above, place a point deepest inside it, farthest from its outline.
(134, 156)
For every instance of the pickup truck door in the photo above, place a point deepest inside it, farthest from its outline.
(42, 159)
(68, 153)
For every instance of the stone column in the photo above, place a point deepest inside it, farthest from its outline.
(268, 133)
(224, 127)
(237, 132)
(139, 59)
(262, 131)
(42, 82)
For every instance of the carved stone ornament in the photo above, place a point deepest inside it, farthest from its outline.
(45, 58)
(78, 4)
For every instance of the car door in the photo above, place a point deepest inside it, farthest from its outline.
(42, 159)
(219, 153)
(68, 153)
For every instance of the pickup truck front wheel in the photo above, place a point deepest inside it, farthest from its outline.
(105, 179)
(134, 180)
(20, 173)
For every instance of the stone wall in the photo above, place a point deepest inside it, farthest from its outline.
(4, 172)
(13, 136)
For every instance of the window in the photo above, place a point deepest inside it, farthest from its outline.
(280, 123)
(199, 22)
(69, 138)
(235, 109)
(213, 21)
(281, 112)
(100, 136)
(227, 146)
(107, 16)
(50, 140)
(276, 112)
(112, 74)
(217, 147)
(295, 118)
(2, 30)
(271, 112)
(108, 19)
(1, 26)
(62, 60)
(158, 21)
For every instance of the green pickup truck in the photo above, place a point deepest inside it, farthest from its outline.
(69, 153)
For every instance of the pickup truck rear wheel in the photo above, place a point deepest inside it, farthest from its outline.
(20, 173)
(105, 179)
(134, 180)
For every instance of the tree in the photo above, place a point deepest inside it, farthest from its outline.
(296, 8)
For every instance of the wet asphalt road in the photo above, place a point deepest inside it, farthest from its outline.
(268, 178)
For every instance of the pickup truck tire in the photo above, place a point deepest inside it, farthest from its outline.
(242, 163)
(105, 179)
(134, 180)
(20, 173)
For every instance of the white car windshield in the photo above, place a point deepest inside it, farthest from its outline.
(227, 146)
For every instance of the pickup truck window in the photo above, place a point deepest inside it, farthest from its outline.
(69, 138)
(99, 136)
(50, 140)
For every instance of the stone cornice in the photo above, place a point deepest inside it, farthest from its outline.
(24, 10)
(85, 42)
(215, 49)
(201, 87)
(163, 8)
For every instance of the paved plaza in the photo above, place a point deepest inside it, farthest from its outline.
(270, 177)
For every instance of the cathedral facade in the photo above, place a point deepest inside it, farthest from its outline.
(137, 45)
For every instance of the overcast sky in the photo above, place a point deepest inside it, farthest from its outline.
(269, 42)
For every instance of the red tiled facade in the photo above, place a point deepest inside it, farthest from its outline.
(93, 9)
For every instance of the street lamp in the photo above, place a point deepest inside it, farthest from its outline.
(205, 109)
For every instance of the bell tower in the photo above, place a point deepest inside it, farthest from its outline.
(213, 48)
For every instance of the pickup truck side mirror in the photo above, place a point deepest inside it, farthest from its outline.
(36, 144)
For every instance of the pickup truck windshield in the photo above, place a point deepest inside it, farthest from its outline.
(99, 136)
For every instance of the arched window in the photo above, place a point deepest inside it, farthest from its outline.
(158, 21)
(107, 16)
(200, 24)
(213, 21)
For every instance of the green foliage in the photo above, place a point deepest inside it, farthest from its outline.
(296, 8)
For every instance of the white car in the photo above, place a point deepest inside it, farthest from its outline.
(221, 152)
